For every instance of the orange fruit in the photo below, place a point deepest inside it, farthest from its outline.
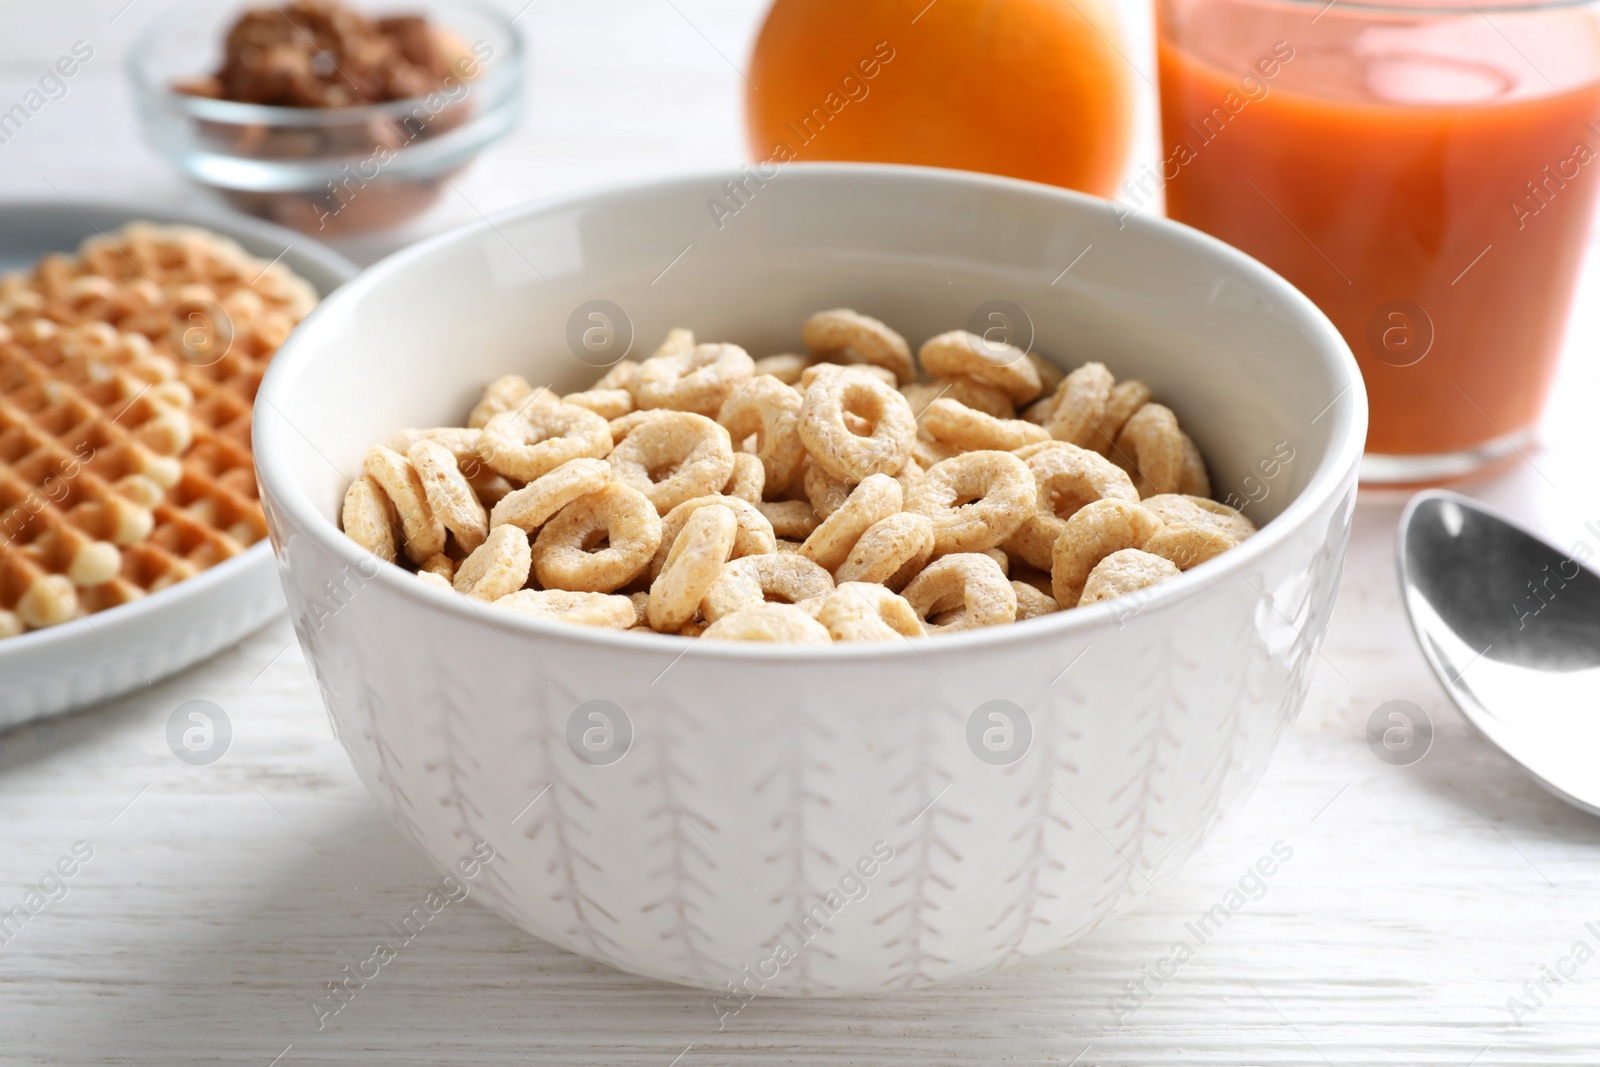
(1032, 89)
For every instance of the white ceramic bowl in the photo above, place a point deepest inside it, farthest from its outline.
(763, 787)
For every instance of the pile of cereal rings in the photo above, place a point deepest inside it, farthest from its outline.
(832, 496)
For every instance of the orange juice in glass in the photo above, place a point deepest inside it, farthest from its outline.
(1425, 172)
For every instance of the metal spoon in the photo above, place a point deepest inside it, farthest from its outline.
(1511, 625)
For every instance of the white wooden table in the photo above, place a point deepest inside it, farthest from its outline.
(220, 900)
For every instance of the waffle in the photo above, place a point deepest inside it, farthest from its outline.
(127, 375)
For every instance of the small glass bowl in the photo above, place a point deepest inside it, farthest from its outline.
(329, 171)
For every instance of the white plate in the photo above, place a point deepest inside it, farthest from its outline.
(106, 654)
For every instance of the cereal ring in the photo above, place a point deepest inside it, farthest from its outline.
(462, 443)
(761, 579)
(959, 354)
(529, 444)
(674, 457)
(929, 453)
(1176, 509)
(607, 403)
(862, 611)
(874, 499)
(787, 368)
(832, 333)
(790, 518)
(1066, 478)
(967, 583)
(788, 547)
(1193, 479)
(423, 532)
(824, 492)
(1001, 560)
(621, 427)
(846, 455)
(441, 565)
(1080, 405)
(679, 342)
(692, 565)
(641, 601)
(769, 411)
(1094, 532)
(699, 380)
(497, 567)
(975, 394)
(883, 375)
(532, 506)
(621, 518)
(1188, 545)
(976, 500)
(755, 536)
(951, 422)
(1123, 572)
(369, 517)
(1033, 602)
(748, 479)
(510, 393)
(1039, 411)
(782, 623)
(622, 375)
(1126, 398)
(583, 609)
(1150, 448)
(438, 581)
(890, 552)
(449, 493)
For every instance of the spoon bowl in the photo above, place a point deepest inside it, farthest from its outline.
(1511, 626)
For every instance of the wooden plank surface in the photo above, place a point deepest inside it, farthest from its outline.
(219, 901)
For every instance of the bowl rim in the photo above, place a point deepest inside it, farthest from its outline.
(231, 227)
(1332, 475)
(501, 79)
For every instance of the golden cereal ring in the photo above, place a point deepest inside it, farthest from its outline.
(679, 342)
(625, 425)
(824, 492)
(1126, 398)
(532, 506)
(461, 441)
(441, 566)
(748, 480)
(1039, 411)
(970, 585)
(510, 393)
(809, 375)
(959, 354)
(777, 623)
(874, 499)
(951, 422)
(975, 500)
(699, 380)
(863, 611)
(891, 551)
(641, 602)
(368, 517)
(450, 495)
(1001, 560)
(1033, 602)
(1177, 509)
(976, 395)
(607, 403)
(622, 518)
(787, 368)
(1193, 479)
(422, 531)
(755, 536)
(929, 453)
(1151, 449)
(692, 456)
(761, 579)
(1066, 478)
(621, 375)
(496, 568)
(692, 565)
(1188, 545)
(438, 581)
(531, 443)
(583, 609)
(845, 454)
(1080, 405)
(1123, 572)
(769, 411)
(1094, 532)
(842, 331)
(790, 518)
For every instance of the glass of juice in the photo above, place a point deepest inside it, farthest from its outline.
(1424, 171)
